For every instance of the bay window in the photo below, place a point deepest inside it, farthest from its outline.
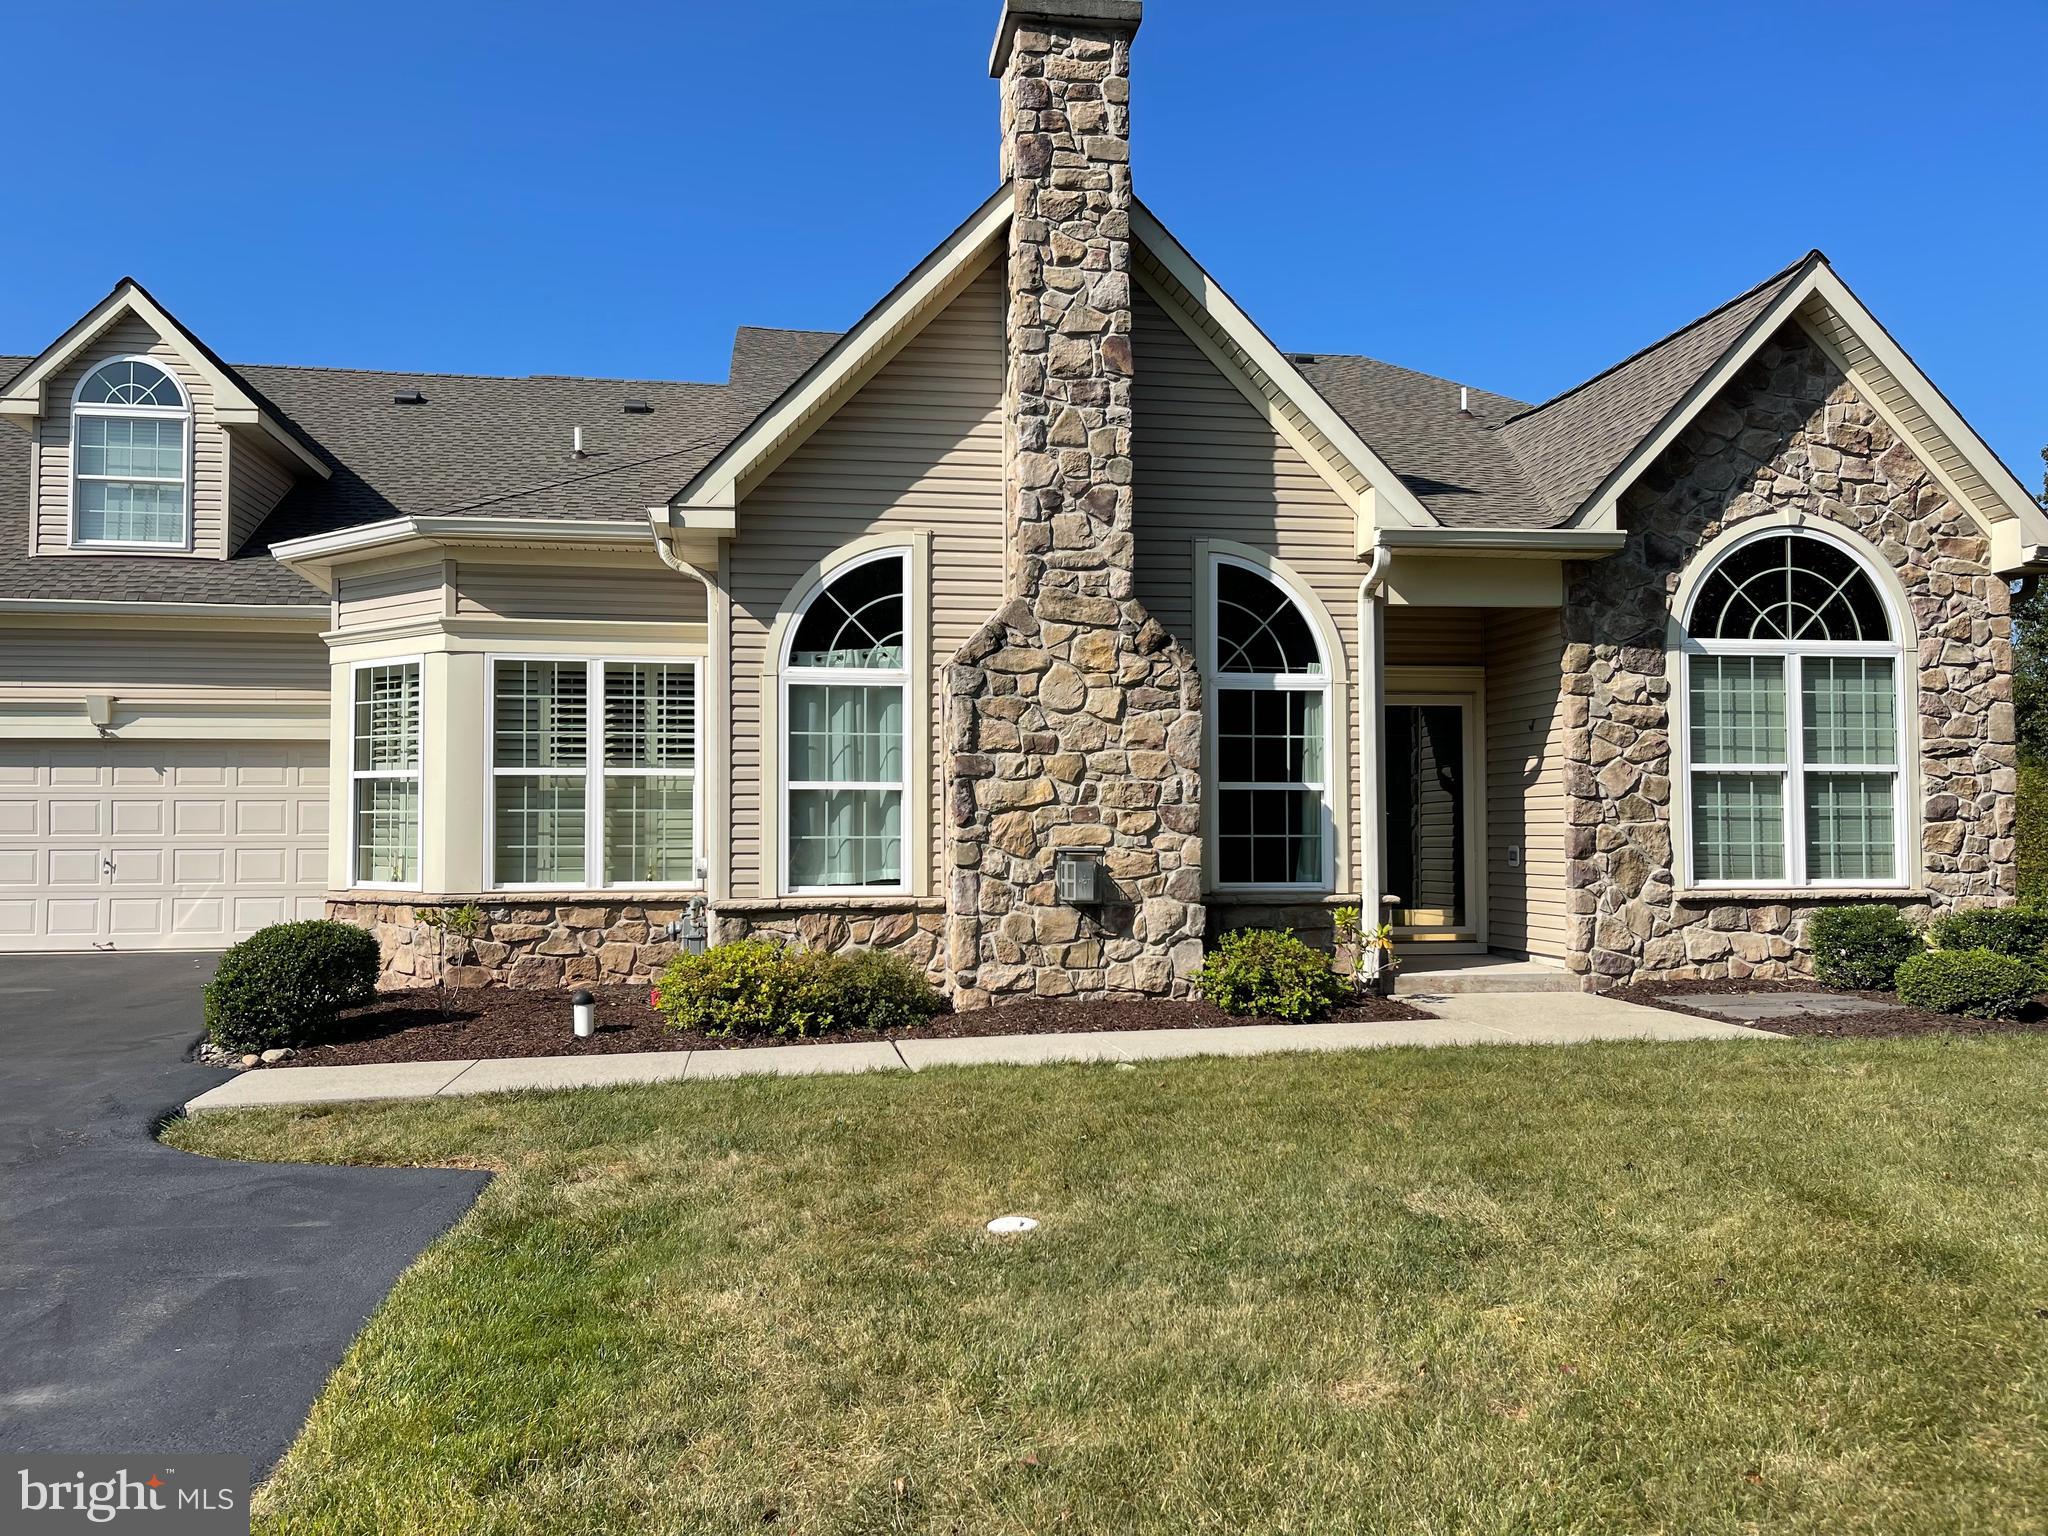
(845, 698)
(384, 774)
(1271, 688)
(597, 804)
(1794, 670)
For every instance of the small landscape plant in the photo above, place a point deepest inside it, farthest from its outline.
(748, 987)
(1260, 972)
(1859, 947)
(285, 986)
(882, 989)
(2021, 931)
(1979, 982)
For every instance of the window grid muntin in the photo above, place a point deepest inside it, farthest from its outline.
(131, 509)
(385, 784)
(1261, 800)
(1796, 771)
(884, 802)
(559, 824)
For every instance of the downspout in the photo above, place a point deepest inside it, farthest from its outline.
(1372, 715)
(715, 869)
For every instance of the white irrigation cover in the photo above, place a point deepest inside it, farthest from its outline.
(1002, 1226)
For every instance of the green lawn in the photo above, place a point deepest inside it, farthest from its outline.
(1671, 1288)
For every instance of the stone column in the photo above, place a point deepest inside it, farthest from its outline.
(1073, 719)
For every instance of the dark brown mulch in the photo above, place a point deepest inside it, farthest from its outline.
(1894, 1022)
(490, 1022)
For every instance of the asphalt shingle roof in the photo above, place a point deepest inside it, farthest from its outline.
(481, 444)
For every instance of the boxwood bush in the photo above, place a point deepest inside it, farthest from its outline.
(1261, 972)
(2021, 932)
(757, 987)
(1979, 982)
(1859, 947)
(287, 985)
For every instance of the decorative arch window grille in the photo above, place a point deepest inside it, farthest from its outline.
(130, 457)
(1794, 670)
(1271, 683)
(845, 696)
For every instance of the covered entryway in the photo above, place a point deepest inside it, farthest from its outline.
(159, 844)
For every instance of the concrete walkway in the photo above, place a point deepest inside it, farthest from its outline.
(1487, 1018)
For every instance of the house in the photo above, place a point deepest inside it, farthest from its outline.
(1044, 624)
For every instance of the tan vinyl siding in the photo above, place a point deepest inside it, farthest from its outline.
(116, 657)
(652, 594)
(129, 337)
(1207, 465)
(920, 446)
(257, 481)
(1525, 781)
(1435, 637)
(388, 597)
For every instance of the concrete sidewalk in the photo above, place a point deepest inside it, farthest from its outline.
(1496, 1018)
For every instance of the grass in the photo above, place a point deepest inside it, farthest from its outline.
(1687, 1289)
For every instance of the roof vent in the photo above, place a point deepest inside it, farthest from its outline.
(1303, 357)
(408, 397)
(1464, 401)
(635, 406)
(576, 444)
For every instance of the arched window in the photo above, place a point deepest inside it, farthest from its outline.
(1271, 683)
(1794, 665)
(844, 705)
(130, 442)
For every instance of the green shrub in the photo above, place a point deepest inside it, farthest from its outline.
(2021, 932)
(1859, 947)
(1978, 982)
(286, 985)
(748, 987)
(1257, 971)
(882, 989)
(2032, 829)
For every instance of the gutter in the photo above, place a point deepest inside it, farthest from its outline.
(1512, 543)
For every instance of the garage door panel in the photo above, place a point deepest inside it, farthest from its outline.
(165, 845)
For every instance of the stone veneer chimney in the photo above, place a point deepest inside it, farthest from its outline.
(1073, 719)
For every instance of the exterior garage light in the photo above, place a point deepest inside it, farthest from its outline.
(1075, 876)
(583, 1008)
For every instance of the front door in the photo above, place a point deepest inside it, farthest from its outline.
(1429, 828)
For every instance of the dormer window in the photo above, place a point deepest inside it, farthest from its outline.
(131, 433)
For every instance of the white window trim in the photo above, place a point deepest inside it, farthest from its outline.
(1902, 650)
(788, 675)
(1216, 681)
(182, 413)
(356, 776)
(593, 771)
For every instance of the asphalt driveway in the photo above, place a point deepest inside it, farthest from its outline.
(151, 1300)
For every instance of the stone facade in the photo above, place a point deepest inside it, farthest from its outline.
(518, 943)
(915, 926)
(1790, 435)
(1073, 720)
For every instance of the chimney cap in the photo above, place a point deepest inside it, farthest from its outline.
(1124, 14)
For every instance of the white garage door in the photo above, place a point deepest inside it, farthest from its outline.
(158, 845)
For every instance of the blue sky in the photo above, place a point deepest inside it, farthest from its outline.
(1510, 194)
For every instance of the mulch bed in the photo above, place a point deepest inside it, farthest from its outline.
(492, 1022)
(1894, 1022)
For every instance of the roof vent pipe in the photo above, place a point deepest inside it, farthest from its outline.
(577, 446)
(1464, 400)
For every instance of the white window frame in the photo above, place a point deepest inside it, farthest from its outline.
(853, 677)
(1794, 770)
(594, 773)
(1269, 682)
(180, 413)
(356, 776)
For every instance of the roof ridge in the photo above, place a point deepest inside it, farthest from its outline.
(1816, 254)
(498, 378)
(1323, 358)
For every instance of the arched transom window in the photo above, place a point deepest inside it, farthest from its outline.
(130, 457)
(1794, 667)
(844, 707)
(1271, 682)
